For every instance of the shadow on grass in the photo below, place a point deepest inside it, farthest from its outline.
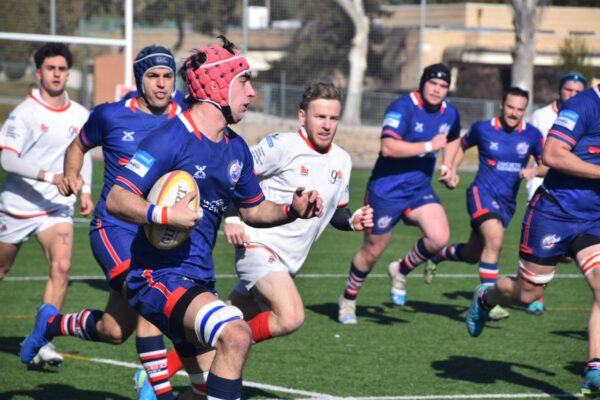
(379, 315)
(97, 284)
(459, 294)
(247, 393)
(575, 367)
(477, 370)
(579, 335)
(53, 391)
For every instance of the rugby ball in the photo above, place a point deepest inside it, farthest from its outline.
(168, 190)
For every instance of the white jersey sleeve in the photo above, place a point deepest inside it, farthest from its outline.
(268, 155)
(16, 131)
(542, 119)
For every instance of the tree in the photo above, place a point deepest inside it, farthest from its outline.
(527, 15)
(357, 58)
(572, 56)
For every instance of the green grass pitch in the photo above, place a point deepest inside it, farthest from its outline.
(419, 351)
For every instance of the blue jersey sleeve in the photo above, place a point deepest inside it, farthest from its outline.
(154, 158)
(395, 121)
(455, 128)
(568, 125)
(472, 137)
(92, 133)
(538, 145)
(248, 192)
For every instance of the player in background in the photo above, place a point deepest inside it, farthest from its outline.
(119, 128)
(571, 84)
(415, 128)
(558, 223)
(268, 259)
(33, 142)
(505, 145)
(175, 289)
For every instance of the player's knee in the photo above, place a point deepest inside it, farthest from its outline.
(292, 321)
(495, 244)
(114, 333)
(236, 337)
(216, 319)
(61, 268)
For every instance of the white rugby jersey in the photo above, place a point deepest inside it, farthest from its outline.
(542, 118)
(40, 135)
(284, 162)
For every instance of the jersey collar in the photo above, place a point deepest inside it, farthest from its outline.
(304, 135)
(498, 125)
(417, 100)
(37, 97)
(188, 121)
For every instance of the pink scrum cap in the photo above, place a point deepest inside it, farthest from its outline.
(211, 80)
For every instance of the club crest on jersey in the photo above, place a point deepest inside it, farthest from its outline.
(303, 170)
(200, 174)
(444, 129)
(494, 145)
(234, 171)
(384, 222)
(549, 241)
(44, 128)
(419, 127)
(522, 149)
(128, 136)
(73, 131)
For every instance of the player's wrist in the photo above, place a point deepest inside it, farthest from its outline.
(48, 177)
(358, 212)
(428, 147)
(291, 212)
(157, 214)
(233, 220)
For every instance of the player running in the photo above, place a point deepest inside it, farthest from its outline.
(268, 259)
(33, 142)
(416, 126)
(505, 144)
(558, 223)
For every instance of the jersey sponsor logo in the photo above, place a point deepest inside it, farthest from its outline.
(419, 126)
(44, 128)
(128, 136)
(12, 132)
(140, 163)
(200, 172)
(336, 177)
(392, 119)
(303, 170)
(567, 119)
(549, 241)
(444, 129)
(12, 117)
(495, 204)
(214, 206)
(522, 149)
(258, 154)
(494, 146)
(234, 171)
(73, 131)
(508, 166)
(4, 228)
(384, 222)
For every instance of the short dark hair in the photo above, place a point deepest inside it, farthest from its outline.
(515, 91)
(319, 90)
(52, 50)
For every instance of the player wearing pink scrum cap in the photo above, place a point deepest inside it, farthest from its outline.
(175, 289)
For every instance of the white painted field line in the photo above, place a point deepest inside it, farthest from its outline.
(301, 276)
(316, 395)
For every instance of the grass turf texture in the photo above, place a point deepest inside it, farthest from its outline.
(421, 349)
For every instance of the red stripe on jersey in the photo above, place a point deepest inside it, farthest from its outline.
(390, 133)
(172, 299)
(119, 269)
(525, 249)
(84, 140)
(562, 136)
(174, 107)
(188, 117)
(130, 185)
(155, 285)
(25, 216)
(132, 104)
(594, 150)
(10, 149)
(491, 162)
(107, 244)
(254, 199)
(123, 161)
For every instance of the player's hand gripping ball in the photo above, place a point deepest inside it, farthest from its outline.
(168, 190)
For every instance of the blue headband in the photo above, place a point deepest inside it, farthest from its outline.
(148, 58)
(572, 76)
